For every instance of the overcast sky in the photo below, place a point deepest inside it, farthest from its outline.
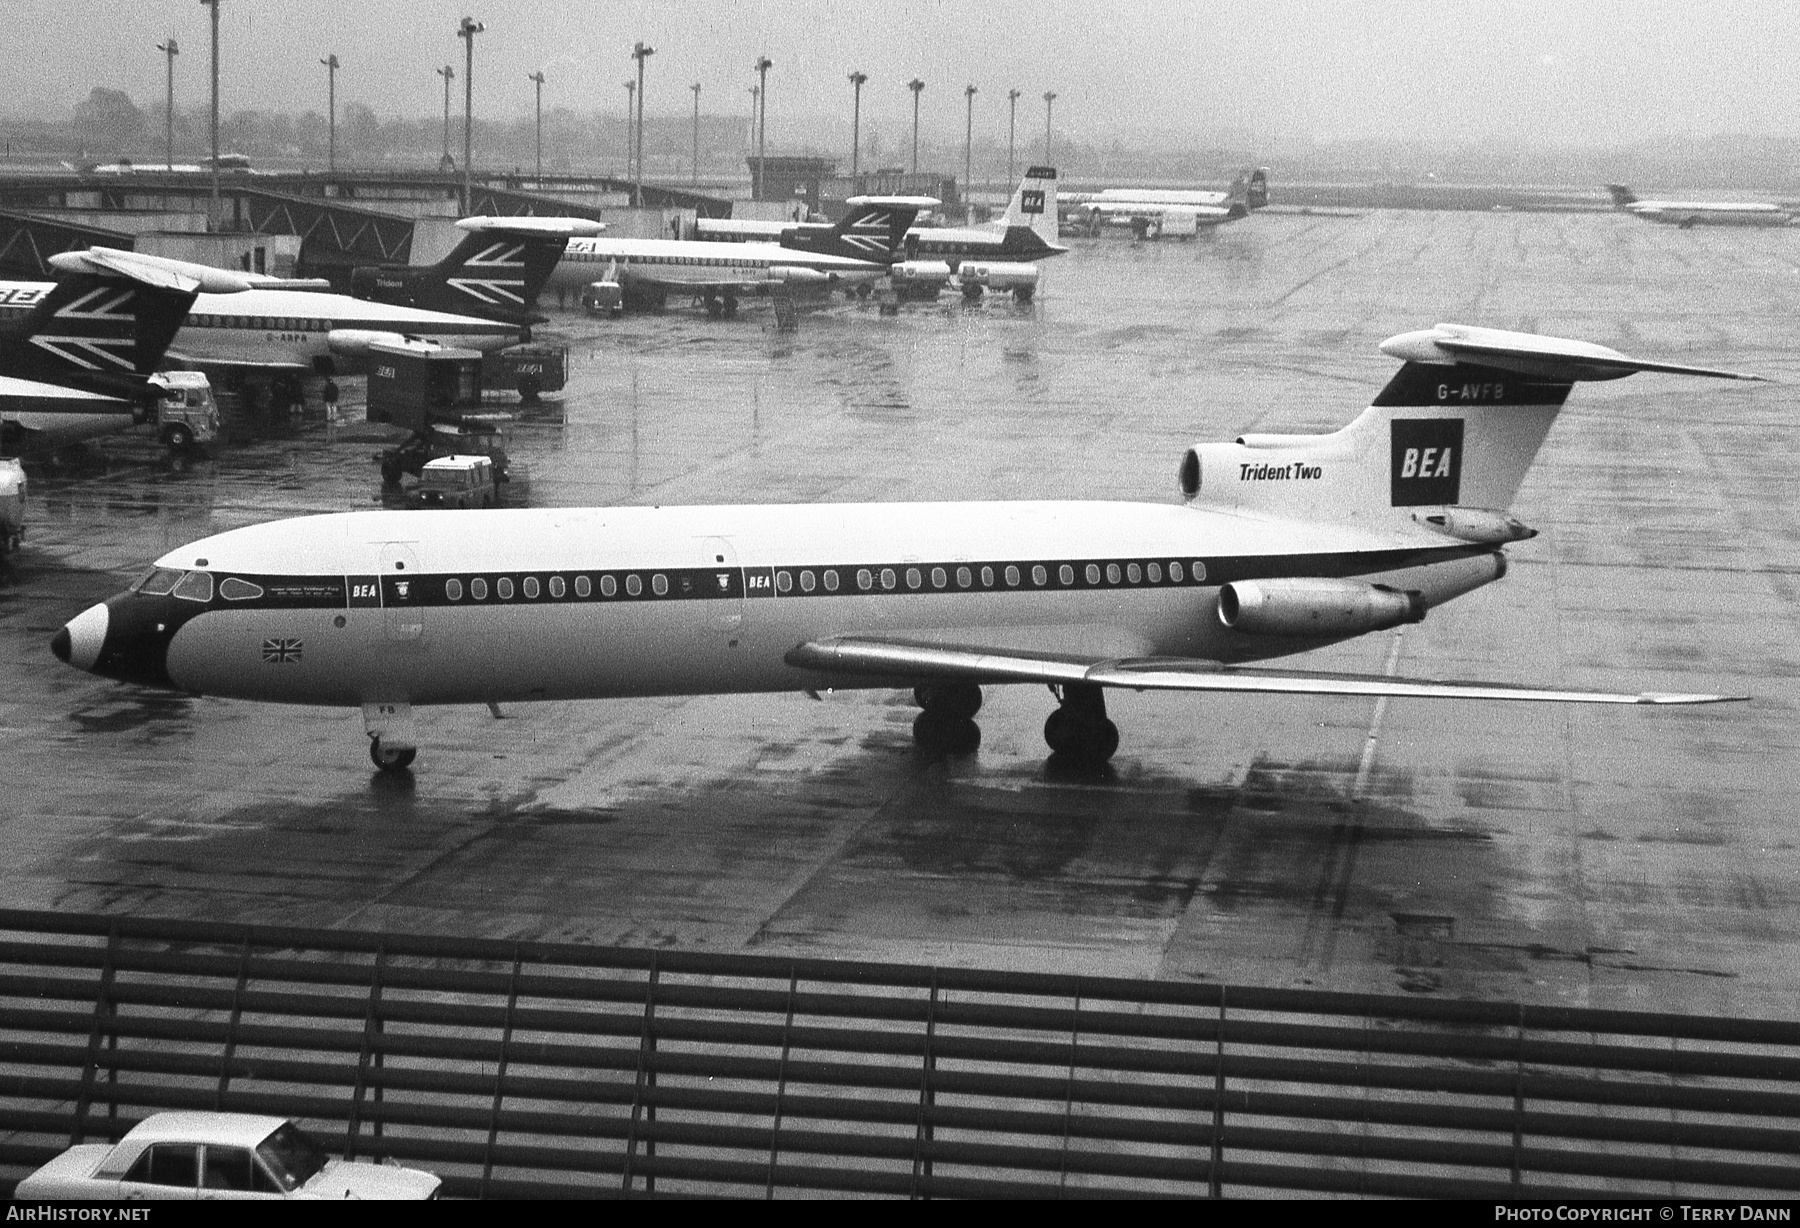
(1587, 72)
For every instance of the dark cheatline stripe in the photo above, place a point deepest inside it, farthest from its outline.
(723, 582)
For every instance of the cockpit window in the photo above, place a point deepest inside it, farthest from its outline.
(158, 582)
(233, 589)
(195, 586)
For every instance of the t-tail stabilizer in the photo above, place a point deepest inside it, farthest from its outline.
(494, 273)
(1445, 444)
(106, 324)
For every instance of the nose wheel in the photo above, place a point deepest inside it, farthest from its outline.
(1078, 730)
(945, 725)
(391, 758)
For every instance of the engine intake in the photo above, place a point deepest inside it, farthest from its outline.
(1310, 608)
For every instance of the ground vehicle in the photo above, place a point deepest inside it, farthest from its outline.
(441, 440)
(186, 413)
(12, 504)
(530, 369)
(457, 481)
(203, 1156)
(601, 298)
(436, 394)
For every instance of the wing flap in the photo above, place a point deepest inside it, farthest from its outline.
(902, 659)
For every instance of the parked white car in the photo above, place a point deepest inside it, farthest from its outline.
(217, 1156)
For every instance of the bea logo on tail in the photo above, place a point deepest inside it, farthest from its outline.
(1426, 461)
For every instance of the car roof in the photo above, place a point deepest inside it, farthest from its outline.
(457, 462)
(236, 1129)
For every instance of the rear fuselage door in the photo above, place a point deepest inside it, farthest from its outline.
(722, 586)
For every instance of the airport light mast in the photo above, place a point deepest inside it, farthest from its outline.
(1012, 134)
(696, 88)
(917, 87)
(969, 92)
(640, 53)
(212, 214)
(466, 30)
(857, 80)
(170, 49)
(630, 124)
(537, 79)
(763, 65)
(448, 74)
(1049, 100)
(331, 66)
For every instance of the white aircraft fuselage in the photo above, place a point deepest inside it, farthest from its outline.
(295, 328)
(57, 415)
(1710, 213)
(429, 607)
(677, 261)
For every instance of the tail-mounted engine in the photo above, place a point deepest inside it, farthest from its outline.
(1308, 608)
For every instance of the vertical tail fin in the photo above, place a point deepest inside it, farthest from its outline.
(874, 229)
(1446, 443)
(106, 324)
(494, 273)
(1033, 203)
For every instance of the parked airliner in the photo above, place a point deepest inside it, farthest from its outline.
(79, 363)
(998, 255)
(643, 274)
(1690, 213)
(292, 330)
(1283, 543)
(1152, 212)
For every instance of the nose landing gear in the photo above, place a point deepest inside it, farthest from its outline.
(946, 725)
(1078, 730)
(391, 758)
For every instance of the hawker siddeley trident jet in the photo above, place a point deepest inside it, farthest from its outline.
(1690, 213)
(1283, 543)
(82, 353)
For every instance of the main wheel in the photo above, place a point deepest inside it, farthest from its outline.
(1081, 738)
(389, 759)
(955, 700)
(953, 735)
(179, 437)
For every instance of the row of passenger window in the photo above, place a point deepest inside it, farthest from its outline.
(282, 324)
(988, 576)
(829, 580)
(504, 589)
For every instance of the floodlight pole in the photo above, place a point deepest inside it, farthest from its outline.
(917, 87)
(212, 216)
(170, 49)
(857, 80)
(696, 88)
(763, 65)
(448, 73)
(466, 30)
(1012, 133)
(1049, 100)
(537, 79)
(331, 66)
(969, 92)
(630, 125)
(640, 53)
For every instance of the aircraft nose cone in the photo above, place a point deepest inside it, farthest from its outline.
(82, 637)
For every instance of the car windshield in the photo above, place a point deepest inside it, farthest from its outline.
(291, 1156)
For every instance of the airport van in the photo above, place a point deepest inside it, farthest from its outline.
(457, 481)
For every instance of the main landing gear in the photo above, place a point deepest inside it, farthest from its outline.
(946, 724)
(1078, 732)
(393, 735)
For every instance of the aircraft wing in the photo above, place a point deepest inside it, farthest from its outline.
(910, 660)
(193, 360)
